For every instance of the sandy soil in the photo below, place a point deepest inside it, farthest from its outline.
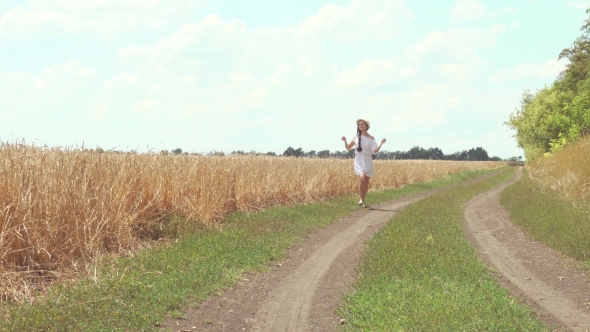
(301, 292)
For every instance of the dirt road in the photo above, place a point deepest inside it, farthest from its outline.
(545, 279)
(302, 292)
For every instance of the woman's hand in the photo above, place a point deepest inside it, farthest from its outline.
(379, 147)
(346, 145)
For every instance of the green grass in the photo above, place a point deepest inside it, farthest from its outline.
(136, 293)
(550, 218)
(419, 273)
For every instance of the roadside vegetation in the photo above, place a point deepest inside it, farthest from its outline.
(552, 201)
(420, 273)
(550, 218)
(566, 172)
(140, 291)
(61, 209)
(557, 115)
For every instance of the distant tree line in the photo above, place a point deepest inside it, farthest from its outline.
(473, 154)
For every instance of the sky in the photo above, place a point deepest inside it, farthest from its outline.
(265, 75)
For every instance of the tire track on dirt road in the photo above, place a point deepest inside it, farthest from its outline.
(289, 306)
(301, 292)
(545, 279)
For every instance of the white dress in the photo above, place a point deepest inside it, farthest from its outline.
(363, 160)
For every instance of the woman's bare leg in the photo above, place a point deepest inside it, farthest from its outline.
(363, 186)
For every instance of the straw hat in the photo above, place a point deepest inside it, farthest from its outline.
(367, 122)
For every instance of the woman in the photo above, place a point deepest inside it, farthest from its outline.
(363, 161)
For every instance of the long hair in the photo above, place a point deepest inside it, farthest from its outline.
(358, 133)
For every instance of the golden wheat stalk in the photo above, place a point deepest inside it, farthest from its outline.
(61, 208)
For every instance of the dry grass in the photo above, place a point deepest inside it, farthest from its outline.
(60, 209)
(567, 171)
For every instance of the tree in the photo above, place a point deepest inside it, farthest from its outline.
(579, 58)
(339, 154)
(435, 154)
(350, 154)
(290, 152)
(460, 155)
(559, 114)
(324, 154)
(417, 153)
(477, 154)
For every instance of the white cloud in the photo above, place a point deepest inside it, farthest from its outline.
(96, 17)
(469, 10)
(217, 83)
(431, 105)
(546, 70)
(213, 67)
(377, 19)
(509, 10)
(92, 5)
(133, 52)
(422, 114)
(210, 66)
(207, 38)
(359, 21)
(463, 71)
(579, 4)
(375, 73)
(457, 43)
(61, 94)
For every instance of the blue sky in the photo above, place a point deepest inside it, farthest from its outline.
(265, 75)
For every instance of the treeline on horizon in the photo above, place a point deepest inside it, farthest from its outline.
(473, 154)
(415, 153)
(558, 114)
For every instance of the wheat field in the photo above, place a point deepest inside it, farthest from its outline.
(62, 208)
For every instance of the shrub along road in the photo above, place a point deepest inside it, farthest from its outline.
(302, 292)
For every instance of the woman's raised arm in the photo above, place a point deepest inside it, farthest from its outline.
(346, 145)
(379, 147)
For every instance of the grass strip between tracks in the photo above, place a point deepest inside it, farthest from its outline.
(420, 273)
(550, 218)
(136, 293)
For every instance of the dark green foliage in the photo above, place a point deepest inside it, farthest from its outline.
(417, 152)
(290, 152)
(473, 154)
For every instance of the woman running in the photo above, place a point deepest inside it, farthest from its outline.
(366, 146)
